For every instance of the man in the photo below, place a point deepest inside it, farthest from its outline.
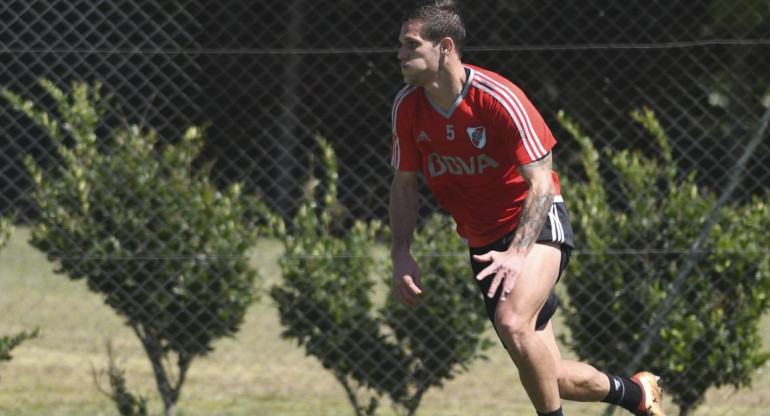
(485, 152)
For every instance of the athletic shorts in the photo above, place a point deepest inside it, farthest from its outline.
(557, 229)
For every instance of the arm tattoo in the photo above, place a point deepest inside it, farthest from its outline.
(532, 219)
(536, 205)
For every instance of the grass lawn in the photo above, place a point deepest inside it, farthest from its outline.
(256, 373)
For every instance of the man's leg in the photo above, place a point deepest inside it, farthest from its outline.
(582, 382)
(515, 323)
(577, 381)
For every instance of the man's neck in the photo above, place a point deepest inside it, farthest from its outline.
(448, 85)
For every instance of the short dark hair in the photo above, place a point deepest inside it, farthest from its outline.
(440, 19)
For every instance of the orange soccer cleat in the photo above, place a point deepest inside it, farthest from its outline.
(651, 403)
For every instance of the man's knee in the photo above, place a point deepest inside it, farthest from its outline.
(515, 328)
(513, 323)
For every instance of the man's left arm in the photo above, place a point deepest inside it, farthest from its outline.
(508, 265)
(539, 178)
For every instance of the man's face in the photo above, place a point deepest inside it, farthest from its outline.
(419, 57)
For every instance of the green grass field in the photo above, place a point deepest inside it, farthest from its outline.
(256, 373)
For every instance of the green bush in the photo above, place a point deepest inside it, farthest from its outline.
(327, 304)
(325, 300)
(443, 335)
(147, 231)
(630, 257)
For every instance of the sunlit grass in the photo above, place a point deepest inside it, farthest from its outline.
(255, 373)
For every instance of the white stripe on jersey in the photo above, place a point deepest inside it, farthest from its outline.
(395, 156)
(518, 106)
(516, 111)
(497, 97)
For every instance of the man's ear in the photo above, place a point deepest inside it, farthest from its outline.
(446, 45)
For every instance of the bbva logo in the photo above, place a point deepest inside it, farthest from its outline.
(457, 165)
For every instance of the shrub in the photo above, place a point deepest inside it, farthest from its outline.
(326, 302)
(630, 257)
(148, 232)
(443, 335)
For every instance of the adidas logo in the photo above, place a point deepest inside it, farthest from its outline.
(422, 137)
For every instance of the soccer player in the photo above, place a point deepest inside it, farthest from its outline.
(485, 152)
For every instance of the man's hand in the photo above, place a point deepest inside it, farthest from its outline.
(506, 266)
(403, 220)
(406, 280)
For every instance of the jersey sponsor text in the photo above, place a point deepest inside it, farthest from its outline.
(457, 165)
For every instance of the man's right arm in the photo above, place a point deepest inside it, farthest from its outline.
(403, 210)
(403, 221)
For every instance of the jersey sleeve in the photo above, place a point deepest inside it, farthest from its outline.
(530, 137)
(404, 154)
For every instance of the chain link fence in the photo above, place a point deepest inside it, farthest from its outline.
(267, 77)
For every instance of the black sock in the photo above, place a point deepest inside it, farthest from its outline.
(557, 412)
(624, 393)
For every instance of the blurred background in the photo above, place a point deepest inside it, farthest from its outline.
(266, 77)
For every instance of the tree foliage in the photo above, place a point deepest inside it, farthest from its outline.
(146, 230)
(445, 334)
(327, 303)
(710, 335)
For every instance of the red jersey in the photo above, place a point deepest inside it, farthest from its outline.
(470, 154)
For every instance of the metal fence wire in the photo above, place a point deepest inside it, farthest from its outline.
(266, 77)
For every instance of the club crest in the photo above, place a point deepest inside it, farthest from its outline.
(478, 136)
